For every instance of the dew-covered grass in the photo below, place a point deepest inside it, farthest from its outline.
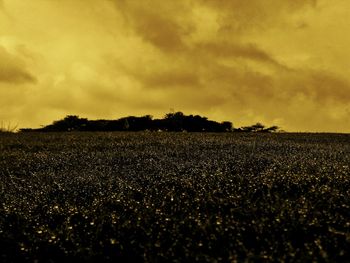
(174, 197)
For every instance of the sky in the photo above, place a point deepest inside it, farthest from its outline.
(279, 62)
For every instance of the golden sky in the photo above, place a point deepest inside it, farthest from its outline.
(279, 62)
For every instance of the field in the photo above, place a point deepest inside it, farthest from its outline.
(174, 197)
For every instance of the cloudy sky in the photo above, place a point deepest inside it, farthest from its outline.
(282, 62)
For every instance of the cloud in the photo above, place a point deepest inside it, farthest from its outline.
(157, 22)
(13, 70)
(244, 16)
(171, 25)
(171, 79)
(237, 50)
(320, 86)
(244, 61)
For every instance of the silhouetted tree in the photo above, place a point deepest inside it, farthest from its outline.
(272, 129)
(258, 127)
(69, 123)
(227, 126)
(174, 121)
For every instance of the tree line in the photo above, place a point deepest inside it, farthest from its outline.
(177, 122)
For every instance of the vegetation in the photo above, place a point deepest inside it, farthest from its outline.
(7, 128)
(171, 122)
(174, 197)
(258, 127)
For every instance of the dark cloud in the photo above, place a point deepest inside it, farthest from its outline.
(236, 50)
(168, 25)
(161, 32)
(240, 16)
(319, 86)
(156, 22)
(13, 70)
(258, 5)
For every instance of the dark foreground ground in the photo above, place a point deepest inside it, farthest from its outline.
(166, 197)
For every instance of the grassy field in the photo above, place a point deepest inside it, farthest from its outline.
(167, 197)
